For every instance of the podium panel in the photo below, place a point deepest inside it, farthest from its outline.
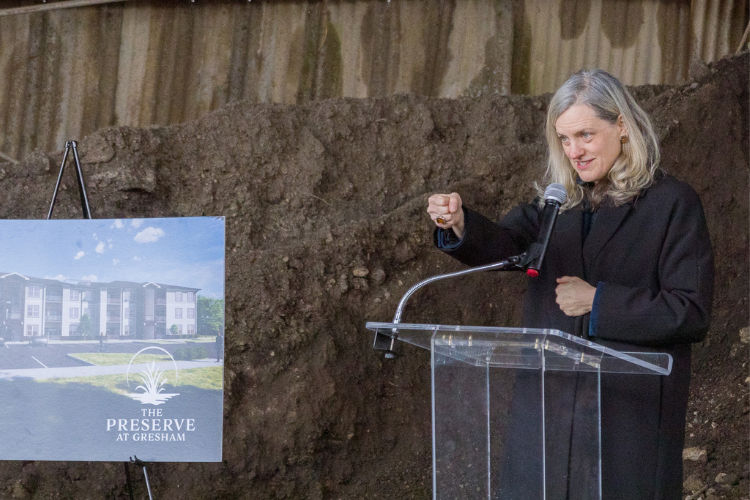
(516, 412)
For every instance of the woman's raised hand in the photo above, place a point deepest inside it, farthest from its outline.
(446, 212)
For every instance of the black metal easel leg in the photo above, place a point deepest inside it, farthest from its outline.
(79, 176)
(130, 484)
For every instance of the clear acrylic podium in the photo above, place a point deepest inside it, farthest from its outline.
(516, 412)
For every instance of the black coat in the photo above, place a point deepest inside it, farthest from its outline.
(652, 264)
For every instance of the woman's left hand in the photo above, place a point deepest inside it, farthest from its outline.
(574, 296)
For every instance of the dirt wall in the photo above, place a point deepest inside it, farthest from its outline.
(326, 230)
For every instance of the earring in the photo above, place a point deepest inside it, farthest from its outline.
(624, 139)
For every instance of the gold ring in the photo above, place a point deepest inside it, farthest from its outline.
(440, 219)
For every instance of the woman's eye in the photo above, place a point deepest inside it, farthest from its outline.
(586, 135)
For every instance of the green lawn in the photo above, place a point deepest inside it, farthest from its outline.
(198, 340)
(203, 378)
(116, 358)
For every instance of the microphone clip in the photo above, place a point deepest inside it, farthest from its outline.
(523, 261)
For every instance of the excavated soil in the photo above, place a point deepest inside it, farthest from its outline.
(326, 229)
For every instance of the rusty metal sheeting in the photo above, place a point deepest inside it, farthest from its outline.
(639, 41)
(66, 73)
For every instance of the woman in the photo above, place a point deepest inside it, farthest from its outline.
(629, 265)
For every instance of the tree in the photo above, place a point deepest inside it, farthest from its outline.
(85, 328)
(174, 330)
(210, 316)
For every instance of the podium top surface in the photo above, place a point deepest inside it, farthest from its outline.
(530, 348)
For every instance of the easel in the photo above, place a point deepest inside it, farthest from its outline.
(87, 215)
(84, 199)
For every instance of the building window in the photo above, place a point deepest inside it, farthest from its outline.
(32, 330)
(179, 329)
(35, 291)
(75, 295)
(191, 297)
(178, 313)
(191, 313)
(191, 329)
(88, 295)
(74, 313)
(73, 329)
(178, 296)
(32, 311)
(126, 295)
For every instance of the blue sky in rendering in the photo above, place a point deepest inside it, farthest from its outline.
(184, 251)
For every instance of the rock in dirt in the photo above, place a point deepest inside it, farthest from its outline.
(745, 335)
(377, 276)
(360, 271)
(695, 454)
(403, 253)
(693, 484)
(726, 480)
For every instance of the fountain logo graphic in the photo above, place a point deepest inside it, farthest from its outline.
(153, 380)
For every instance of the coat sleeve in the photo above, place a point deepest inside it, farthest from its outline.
(678, 309)
(485, 242)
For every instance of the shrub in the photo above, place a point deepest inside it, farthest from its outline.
(189, 352)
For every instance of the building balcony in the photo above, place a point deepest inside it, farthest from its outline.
(161, 319)
(113, 319)
(111, 300)
(161, 302)
(53, 298)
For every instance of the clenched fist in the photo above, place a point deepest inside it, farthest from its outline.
(446, 212)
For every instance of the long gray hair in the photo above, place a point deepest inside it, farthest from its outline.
(634, 168)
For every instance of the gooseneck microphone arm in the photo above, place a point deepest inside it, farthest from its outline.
(387, 342)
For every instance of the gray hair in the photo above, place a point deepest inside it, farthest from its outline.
(634, 169)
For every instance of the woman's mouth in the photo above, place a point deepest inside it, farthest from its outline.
(581, 164)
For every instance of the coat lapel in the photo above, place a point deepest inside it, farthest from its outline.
(608, 221)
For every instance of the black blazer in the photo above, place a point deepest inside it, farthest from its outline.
(652, 264)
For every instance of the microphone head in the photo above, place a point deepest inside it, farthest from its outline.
(555, 193)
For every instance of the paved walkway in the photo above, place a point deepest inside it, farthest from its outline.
(92, 371)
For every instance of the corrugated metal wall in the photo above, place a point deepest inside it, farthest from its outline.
(639, 41)
(66, 73)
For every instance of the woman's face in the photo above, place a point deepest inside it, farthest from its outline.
(591, 144)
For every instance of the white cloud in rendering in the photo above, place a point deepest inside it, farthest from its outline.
(149, 235)
(136, 223)
(115, 261)
(59, 277)
(117, 224)
(100, 247)
(90, 277)
(79, 255)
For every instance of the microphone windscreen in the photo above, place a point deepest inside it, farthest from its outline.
(556, 192)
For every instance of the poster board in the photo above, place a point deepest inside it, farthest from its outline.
(112, 339)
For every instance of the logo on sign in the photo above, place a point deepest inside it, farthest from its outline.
(153, 380)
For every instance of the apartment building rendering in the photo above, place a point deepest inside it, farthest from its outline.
(35, 307)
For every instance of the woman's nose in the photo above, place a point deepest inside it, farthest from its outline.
(574, 150)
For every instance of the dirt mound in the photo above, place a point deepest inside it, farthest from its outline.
(326, 230)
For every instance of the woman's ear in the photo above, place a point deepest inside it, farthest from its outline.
(621, 125)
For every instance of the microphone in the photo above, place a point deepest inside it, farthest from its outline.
(554, 196)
